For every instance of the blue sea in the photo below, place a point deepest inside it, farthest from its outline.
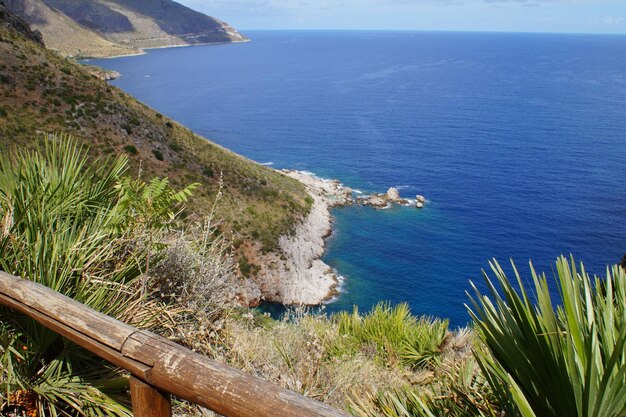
(518, 141)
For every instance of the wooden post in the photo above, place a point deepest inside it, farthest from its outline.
(148, 401)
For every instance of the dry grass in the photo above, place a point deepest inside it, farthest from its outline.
(301, 353)
(297, 355)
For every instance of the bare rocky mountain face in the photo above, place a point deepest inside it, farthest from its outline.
(12, 21)
(101, 28)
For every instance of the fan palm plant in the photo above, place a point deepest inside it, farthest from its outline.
(547, 358)
(60, 217)
(396, 334)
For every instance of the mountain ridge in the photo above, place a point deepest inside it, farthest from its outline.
(104, 28)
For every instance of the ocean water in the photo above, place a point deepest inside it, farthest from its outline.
(518, 141)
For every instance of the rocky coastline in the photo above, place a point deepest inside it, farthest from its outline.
(299, 276)
(334, 194)
(101, 73)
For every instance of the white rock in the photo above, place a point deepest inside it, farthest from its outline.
(377, 201)
(300, 276)
(392, 194)
(419, 204)
(420, 198)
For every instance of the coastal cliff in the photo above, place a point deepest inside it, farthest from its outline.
(299, 276)
(296, 274)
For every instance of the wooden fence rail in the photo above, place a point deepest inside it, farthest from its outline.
(158, 366)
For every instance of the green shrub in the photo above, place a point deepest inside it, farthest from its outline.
(396, 334)
(134, 120)
(208, 172)
(546, 358)
(131, 149)
(244, 267)
(175, 147)
(157, 154)
(153, 205)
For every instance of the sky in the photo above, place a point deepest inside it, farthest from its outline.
(578, 16)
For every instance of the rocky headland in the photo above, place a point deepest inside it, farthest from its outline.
(299, 276)
(101, 73)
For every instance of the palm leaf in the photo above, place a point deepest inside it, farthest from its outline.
(544, 359)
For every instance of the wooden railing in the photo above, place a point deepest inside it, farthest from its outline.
(158, 366)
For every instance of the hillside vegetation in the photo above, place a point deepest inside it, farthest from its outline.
(98, 28)
(41, 91)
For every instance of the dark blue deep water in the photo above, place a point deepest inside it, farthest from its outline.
(517, 140)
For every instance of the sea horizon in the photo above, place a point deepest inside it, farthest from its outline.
(457, 31)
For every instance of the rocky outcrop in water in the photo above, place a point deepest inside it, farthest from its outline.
(392, 194)
(391, 197)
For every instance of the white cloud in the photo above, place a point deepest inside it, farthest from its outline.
(499, 15)
(613, 20)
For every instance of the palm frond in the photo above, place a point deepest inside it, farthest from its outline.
(548, 359)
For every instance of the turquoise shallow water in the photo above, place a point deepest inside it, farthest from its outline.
(517, 140)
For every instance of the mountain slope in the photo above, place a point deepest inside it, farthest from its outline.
(98, 28)
(43, 92)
